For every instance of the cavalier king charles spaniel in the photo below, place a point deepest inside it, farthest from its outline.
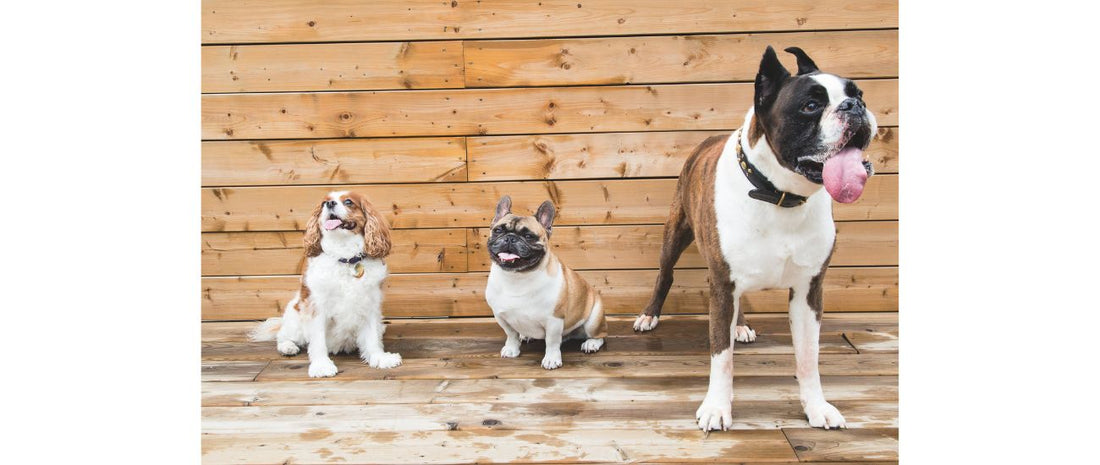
(339, 305)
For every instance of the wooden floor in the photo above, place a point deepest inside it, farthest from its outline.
(455, 400)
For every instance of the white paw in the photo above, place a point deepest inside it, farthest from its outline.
(714, 416)
(287, 348)
(591, 345)
(645, 322)
(525, 339)
(551, 361)
(509, 352)
(743, 334)
(384, 360)
(823, 415)
(322, 369)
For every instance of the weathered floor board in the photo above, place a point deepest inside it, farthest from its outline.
(455, 401)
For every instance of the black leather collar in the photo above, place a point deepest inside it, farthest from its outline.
(355, 259)
(765, 191)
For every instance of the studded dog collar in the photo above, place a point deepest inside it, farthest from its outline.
(765, 191)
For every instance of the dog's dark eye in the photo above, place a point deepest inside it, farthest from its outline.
(529, 236)
(348, 202)
(498, 229)
(811, 106)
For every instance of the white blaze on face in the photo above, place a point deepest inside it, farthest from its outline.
(339, 210)
(832, 126)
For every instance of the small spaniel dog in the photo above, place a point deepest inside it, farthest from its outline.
(339, 306)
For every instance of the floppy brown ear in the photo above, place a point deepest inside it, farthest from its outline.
(313, 231)
(376, 231)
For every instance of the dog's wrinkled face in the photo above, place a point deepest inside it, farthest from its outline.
(348, 214)
(816, 124)
(519, 243)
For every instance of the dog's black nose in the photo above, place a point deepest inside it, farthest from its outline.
(850, 104)
(511, 239)
(330, 204)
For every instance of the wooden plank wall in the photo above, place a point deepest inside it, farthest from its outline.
(434, 109)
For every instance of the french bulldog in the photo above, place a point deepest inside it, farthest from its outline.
(533, 294)
(757, 205)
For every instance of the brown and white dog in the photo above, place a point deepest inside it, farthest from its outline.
(534, 295)
(755, 205)
(339, 305)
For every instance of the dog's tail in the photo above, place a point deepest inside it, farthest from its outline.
(266, 330)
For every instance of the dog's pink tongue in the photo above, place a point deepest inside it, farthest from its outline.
(507, 257)
(844, 175)
(332, 224)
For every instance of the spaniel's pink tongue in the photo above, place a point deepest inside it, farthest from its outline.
(844, 175)
(332, 224)
(507, 257)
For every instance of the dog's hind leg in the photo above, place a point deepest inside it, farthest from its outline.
(742, 332)
(290, 338)
(678, 236)
(595, 329)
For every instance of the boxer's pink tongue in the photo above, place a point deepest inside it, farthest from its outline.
(844, 175)
(332, 224)
(507, 257)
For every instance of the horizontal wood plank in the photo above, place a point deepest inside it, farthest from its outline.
(614, 155)
(325, 67)
(366, 392)
(551, 416)
(496, 111)
(665, 59)
(231, 370)
(341, 161)
(623, 292)
(494, 446)
(252, 21)
(818, 445)
(247, 253)
(870, 243)
(580, 365)
(449, 205)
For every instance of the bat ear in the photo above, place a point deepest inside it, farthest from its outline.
(545, 216)
(805, 64)
(312, 236)
(769, 79)
(504, 207)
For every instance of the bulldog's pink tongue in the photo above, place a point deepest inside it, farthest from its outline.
(844, 175)
(507, 257)
(332, 224)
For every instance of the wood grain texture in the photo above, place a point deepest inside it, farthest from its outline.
(342, 161)
(818, 445)
(430, 447)
(664, 59)
(623, 291)
(426, 250)
(451, 392)
(496, 111)
(305, 67)
(595, 202)
(231, 370)
(623, 247)
(579, 365)
(254, 21)
(614, 155)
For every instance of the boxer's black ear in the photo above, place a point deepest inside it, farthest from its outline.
(805, 64)
(504, 207)
(769, 79)
(545, 216)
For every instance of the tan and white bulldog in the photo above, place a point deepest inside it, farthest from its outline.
(757, 204)
(534, 295)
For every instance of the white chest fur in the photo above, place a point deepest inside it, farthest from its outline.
(767, 246)
(344, 299)
(526, 300)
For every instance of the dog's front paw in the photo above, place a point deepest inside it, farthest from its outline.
(287, 348)
(322, 369)
(384, 360)
(551, 361)
(743, 334)
(645, 322)
(509, 352)
(714, 416)
(823, 415)
(591, 345)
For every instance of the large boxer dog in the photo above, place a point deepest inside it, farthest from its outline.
(754, 205)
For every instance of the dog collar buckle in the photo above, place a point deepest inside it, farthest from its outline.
(764, 190)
